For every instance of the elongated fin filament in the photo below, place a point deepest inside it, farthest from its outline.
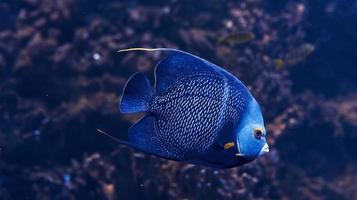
(139, 49)
(108, 135)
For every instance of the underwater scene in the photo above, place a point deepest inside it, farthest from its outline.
(178, 99)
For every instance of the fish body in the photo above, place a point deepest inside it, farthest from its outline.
(236, 38)
(198, 113)
(295, 56)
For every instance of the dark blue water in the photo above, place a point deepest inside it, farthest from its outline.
(61, 78)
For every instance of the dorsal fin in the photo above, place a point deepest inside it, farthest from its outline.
(176, 65)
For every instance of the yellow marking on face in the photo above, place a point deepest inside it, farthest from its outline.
(229, 145)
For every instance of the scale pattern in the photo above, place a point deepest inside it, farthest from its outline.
(190, 115)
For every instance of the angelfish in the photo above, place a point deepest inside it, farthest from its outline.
(197, 113)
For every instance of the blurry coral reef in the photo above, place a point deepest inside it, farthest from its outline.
(61, 78)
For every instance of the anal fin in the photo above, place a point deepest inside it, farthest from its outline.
(142, 136)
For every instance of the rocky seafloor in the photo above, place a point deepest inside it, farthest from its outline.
(61, 78)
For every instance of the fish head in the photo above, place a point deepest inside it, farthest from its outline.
(251, 133)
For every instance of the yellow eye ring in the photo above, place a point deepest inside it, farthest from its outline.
(258, 133)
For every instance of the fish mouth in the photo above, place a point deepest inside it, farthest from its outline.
(264, 150)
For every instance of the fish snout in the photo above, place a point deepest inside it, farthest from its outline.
(264, 150)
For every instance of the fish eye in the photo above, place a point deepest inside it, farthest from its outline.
(258, 133)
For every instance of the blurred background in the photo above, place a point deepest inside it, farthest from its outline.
(61, 78)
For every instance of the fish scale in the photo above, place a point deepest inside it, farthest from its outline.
(190, 112)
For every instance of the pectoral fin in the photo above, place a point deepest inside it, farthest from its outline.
(226, 137)
(228, 145)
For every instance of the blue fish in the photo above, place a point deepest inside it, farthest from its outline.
(197, 113)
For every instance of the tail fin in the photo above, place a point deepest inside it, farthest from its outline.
(136, 95)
